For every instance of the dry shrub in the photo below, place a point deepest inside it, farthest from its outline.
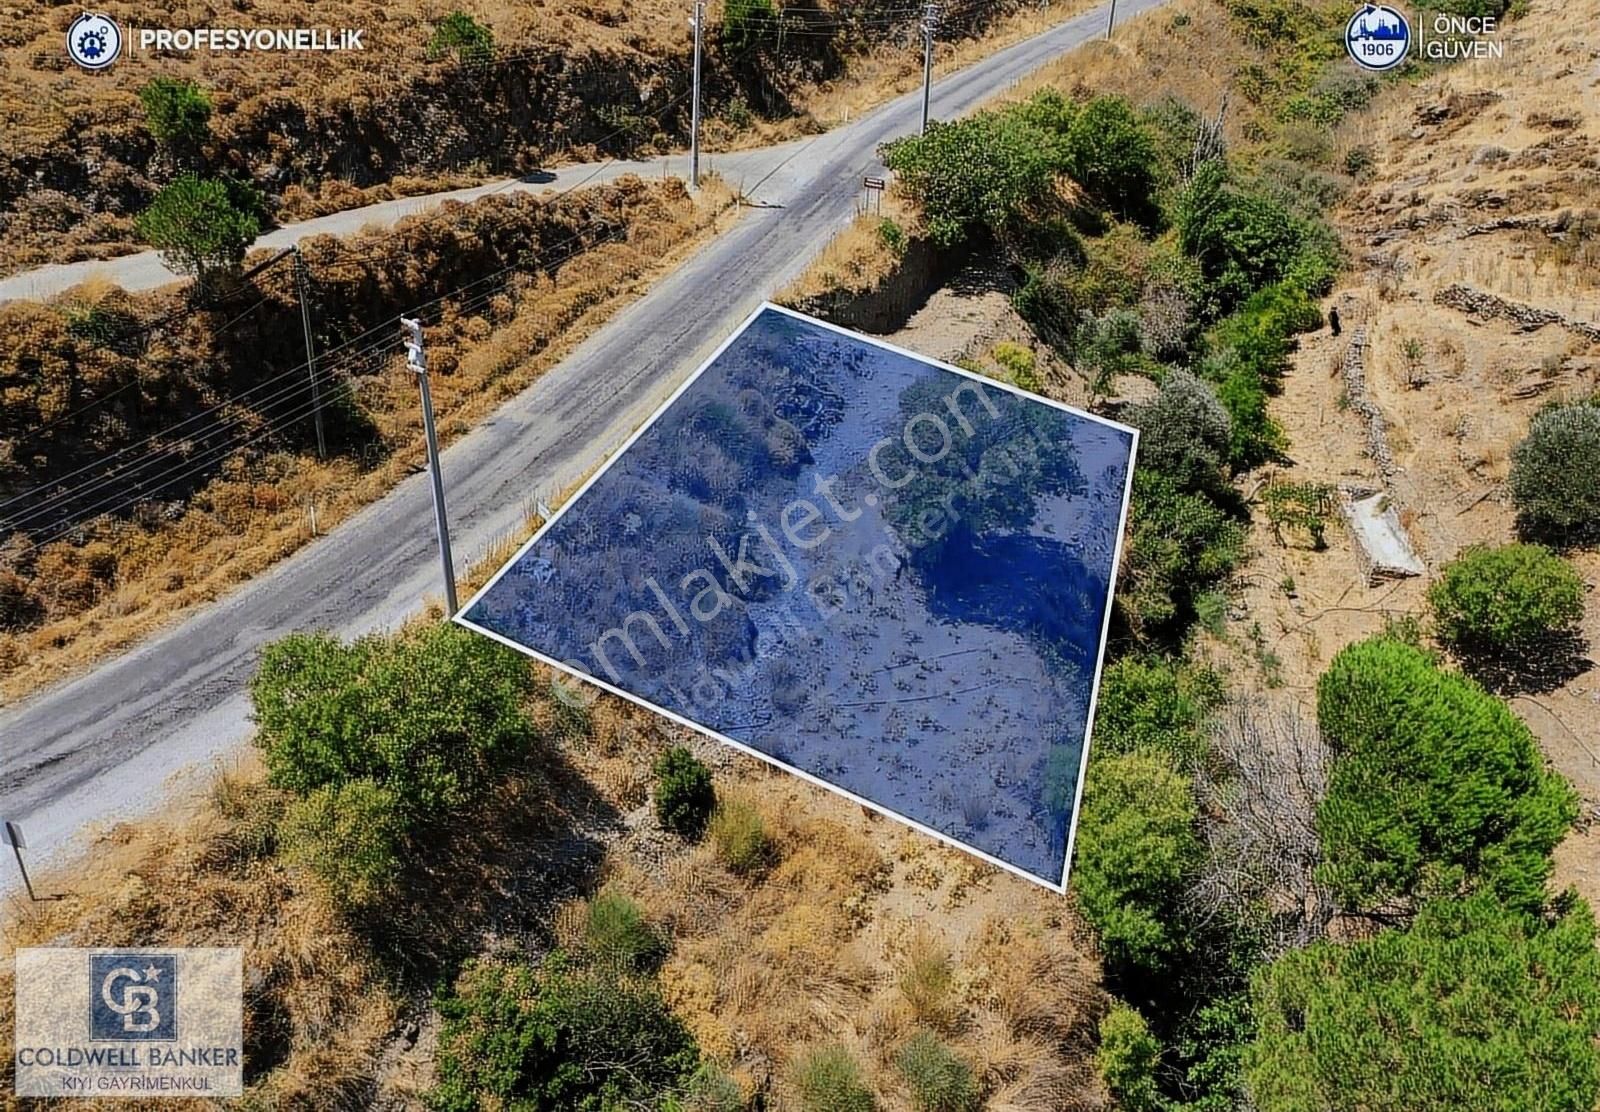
(927, 978)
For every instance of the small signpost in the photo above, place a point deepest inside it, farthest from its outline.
(14, 839)
(874, 188)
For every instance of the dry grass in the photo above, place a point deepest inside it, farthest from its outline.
(858, 258)
(260, 514)
(830, 945)
(318, 1008)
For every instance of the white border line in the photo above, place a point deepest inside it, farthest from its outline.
(1105, 630)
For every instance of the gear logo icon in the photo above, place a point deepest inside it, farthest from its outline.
(94, 41)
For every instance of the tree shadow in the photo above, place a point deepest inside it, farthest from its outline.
(1559, 660)
(497, 874)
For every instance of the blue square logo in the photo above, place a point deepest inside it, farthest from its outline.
(133, 997)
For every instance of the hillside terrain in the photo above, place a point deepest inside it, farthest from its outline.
(316, 133)
(1325, 847)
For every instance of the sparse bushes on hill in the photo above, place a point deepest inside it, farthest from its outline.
(350, 835)
(938, 1079)
(1151, 705)
(1475, 1005)
(684, 793)
(1185, 433)
(1555, 473)
(617, 936)
(1436, 787)
(199, 227)
(1510, 603)
(828, 1080)
(1111, 153)
(378, 737)
(1181, 544)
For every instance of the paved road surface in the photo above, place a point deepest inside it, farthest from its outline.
(104, 745)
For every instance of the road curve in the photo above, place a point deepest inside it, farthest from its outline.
(104, 745)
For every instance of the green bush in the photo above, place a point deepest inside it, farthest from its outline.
(198, 227)
(617, 936)
(1156, 706)
(1245, 241)
(1555, 473)
(1181, 545)
(1435, 786)
(555, 1040)
(747, 24)
(828, 1080)
(684, 795)
(707, 1090)
(350, 835)
(460, 34)
(939, 1080)
(1136, 849)
(740, 837)
(893, 236)
(1128, 1057)
(978, 172)
(1018, 363)
(177, 113)
(1507, 603)
(430, 717)
(1474, 1006)
(1185, 433)
(1113, 156)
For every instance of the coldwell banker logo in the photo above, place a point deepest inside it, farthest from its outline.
(133, 996)
(94, 41)
(130, 1022)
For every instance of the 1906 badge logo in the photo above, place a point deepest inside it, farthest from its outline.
(1378, 37)
(94, 41)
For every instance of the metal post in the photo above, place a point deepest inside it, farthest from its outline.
(1111, 20)
(694, 112)
(417, 360)
(930, 19)
(311, 352)
(14, 837)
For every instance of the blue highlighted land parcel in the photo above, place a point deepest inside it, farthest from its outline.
(887, 575)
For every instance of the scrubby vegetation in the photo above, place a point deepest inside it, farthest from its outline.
(684, 795)
(1555, 473)
(1508, 606)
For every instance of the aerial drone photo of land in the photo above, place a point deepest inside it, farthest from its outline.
(866, 567)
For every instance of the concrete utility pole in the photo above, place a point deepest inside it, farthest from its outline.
(311, 353)
(930, 21)
(1111, 20)
(698, 23)
(417, 360)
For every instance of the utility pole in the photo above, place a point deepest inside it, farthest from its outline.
(1111, 20)
(311, 352)
(417, 360)
(698, 23)
(930, 21)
